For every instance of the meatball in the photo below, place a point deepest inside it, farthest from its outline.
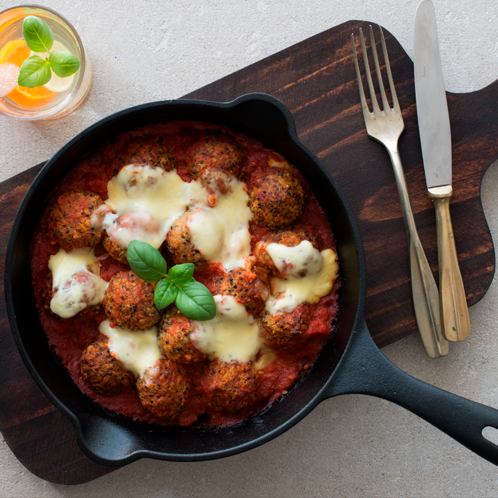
(47, 294)
(104, 373)
(132, 222)
(70, 220)
(287, 329)
(290, 237)
(216, 182)
(232, 386)
(114, 249)
(164, 389)
(174, 338)
(219, 152)
(147, 150)
(247, 287)
(129, 302)
(178, 243)
(277, 198)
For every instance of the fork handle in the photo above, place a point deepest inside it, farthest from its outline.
(455, 312)
(424, 288)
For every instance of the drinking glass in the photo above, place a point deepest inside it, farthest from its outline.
(48, 101)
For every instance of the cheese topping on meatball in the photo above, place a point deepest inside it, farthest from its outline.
(75, 287)
(233, 334)
(296, 261)
(145, 202)
(310, 275)
(136, 350)
(221, 233)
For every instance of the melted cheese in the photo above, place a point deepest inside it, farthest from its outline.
(319, 270)
(207, 232)
(233, 334)
(267, 358)
(144, 202)
(296, 261)
(75, 287)
(273, 163)
(136, 350)
(221, 233)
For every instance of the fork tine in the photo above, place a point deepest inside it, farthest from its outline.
(385, 103)
(389, 74)
(363, 100)
(375, 104)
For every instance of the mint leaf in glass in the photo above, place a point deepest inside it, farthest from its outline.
(64, 64)
(37, 33)
(34, 72)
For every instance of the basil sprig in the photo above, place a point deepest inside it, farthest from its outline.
(36, 71)
(177, 286)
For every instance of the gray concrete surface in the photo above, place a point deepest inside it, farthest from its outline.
(143, 51)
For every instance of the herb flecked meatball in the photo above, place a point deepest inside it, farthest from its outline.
(129, 302)
(277, 198)
(247, 288)
(70, 220)
(219, 152)
(147, 150)
(290, 237)
(286, 329)
(179, 245)
(232, 386)
(104, 373)
(114, 249)
(174, 338)
(164, 389)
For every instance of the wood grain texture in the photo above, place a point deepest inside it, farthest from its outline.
(317, 81)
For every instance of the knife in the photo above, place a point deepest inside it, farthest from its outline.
(435, 137)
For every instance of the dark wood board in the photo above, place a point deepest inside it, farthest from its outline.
(317, 81)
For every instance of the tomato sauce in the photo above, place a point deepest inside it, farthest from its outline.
(68, 338)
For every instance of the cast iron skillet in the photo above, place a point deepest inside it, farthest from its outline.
(349, 363)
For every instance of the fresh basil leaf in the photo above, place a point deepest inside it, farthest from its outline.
(196, 302)
(37, 33)
(64, 64)
(34, 72)
(146, 261)
(165, 293)
(182, 274)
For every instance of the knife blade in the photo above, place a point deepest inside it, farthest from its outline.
(435, 138)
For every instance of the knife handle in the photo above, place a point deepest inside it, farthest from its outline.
(454, 309)
(424, 288)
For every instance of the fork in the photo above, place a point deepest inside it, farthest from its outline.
(386, 126)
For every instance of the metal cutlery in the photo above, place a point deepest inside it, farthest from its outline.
(435, 137)
(386, 126)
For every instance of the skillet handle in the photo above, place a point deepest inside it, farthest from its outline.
(365, 370)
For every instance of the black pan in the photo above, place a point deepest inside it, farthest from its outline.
(349, 363)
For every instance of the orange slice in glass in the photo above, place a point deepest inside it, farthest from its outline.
(16, 52)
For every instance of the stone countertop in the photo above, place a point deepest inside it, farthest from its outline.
(147, 50)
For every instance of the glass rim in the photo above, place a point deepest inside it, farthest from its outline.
(33, 115)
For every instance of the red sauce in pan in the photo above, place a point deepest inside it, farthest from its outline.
(69, 338)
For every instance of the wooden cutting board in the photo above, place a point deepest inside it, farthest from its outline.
(316, 80)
